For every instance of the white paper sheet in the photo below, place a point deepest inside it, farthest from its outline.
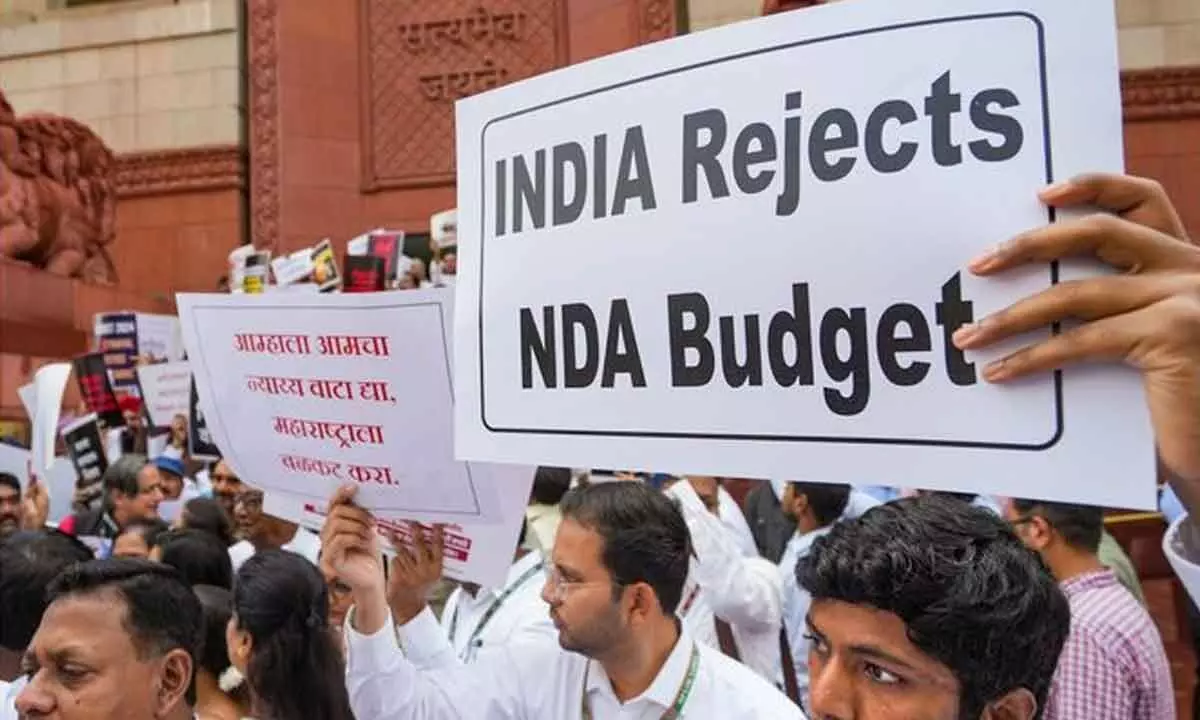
(303, 394)
(165, 391)
(49, 383)
(473, 553)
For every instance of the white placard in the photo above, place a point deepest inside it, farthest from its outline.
(303, 394)
(472, 553)
(15, 461)
(814, 181)
(165, 391)
(293, 268)
(28, 396)
(49, 383)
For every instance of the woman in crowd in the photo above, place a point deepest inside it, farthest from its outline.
(218, 684)
(197, 555)
(205, 514)
(137, 539)
(279, 638)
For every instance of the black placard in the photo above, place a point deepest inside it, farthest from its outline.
(200, 440)
(92, 376)
(85, 446)
(364, 273)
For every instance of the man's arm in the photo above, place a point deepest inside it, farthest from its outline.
(738, 592)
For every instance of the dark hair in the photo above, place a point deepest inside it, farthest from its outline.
(29, 560)
(828, 502)
(1081, 526)
(161, 612)
(122, 477)
(151, 530)
(11, 481)
(198, 556)
(645, 536)
(968, 498)
(207, 515)
(296, 670)
(217, 606)
(970, 594)
(550, 484)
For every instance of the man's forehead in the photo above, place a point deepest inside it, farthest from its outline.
(870, 631)
(577, 546)
(93, 623)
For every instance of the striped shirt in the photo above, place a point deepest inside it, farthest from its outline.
(1113, 666)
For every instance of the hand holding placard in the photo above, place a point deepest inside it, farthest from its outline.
(1148, 316)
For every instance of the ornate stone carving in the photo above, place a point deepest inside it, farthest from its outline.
(163, 172)
(770, 7)
(1161, 93)
(57, 199)
(264, 122)
(420, 56)
(658, 20)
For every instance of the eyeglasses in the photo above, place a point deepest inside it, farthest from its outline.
(558, 587)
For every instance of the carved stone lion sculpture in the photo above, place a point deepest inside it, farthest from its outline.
(57, 197)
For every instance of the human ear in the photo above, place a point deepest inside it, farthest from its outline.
(174, 678)
(1018, 704)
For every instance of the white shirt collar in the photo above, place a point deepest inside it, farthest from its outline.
(666, 684)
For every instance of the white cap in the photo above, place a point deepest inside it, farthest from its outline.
(443, 228)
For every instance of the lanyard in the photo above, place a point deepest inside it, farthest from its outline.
(495, 607)
(681, 697)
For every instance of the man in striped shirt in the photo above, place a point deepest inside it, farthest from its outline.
(1113, 666)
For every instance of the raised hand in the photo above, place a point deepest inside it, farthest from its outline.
(1147, 315)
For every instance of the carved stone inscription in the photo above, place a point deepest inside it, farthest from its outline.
(421, 56)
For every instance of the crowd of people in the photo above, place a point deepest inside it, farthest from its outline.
(170, 593)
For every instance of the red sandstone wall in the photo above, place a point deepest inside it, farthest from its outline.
(177, 242)
(1169, 151)
(306, 122)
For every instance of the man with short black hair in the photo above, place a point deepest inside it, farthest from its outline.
(620, 562)
(543, 515)
(118, 642)
(929, 609)
(814, 507)
(132, 491)
(10, 504)
(29, 561)
(1114, 666)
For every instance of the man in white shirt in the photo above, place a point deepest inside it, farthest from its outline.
(616, 577)
(929, 609)
(815, 508)
(475, 621)
(730, 602)
(267, 532)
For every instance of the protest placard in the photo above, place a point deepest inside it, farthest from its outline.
(293, 268)
(254, 272)
(325, 268)
(201, 445)
(85, 447)
(365, 273)
(28, 395)
(304, 393)
(472, 553)
(49, 383)
(756, 238)
(387, 245)
(166, 391)
(96, 389)
(124, 337)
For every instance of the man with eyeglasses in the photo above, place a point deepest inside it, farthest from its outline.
(1114, 665)
(615, 579)
(260, 531)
